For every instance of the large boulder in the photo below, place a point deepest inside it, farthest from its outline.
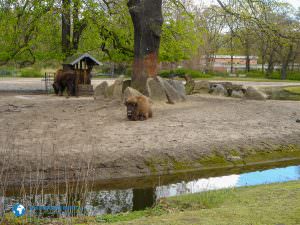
(254, 94)
(162, 90)
(101, 91)
(118, 88)
(131, 92)
(126, 83)
(110, 91)
(172, 94)
(156, 90)
(218, 89)
(201, 87)
(179, 87)
(237, 94)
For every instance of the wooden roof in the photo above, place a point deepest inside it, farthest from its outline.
(74, 59)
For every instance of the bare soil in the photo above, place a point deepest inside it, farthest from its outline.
(55, 138)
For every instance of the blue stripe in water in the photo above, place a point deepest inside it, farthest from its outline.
(269, 176)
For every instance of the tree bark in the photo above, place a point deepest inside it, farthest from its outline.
(78, 25)
(270, 68)
(66, 27)
(147, 20)
(247, 51)
(286, 62)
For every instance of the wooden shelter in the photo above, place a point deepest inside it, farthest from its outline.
(82, 66)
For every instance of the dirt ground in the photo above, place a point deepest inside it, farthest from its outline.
(63, 137)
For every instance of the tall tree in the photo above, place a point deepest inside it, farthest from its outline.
(66, 27)
(147, 21)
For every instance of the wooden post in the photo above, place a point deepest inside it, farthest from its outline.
(85, 72)
(76, 80)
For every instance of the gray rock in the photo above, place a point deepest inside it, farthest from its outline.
(201, 87)
(118, 88)
(254, 94)
(101, 91)
(126, 83)
(218, 89)
(156, 90)
(172, 94)
(110, 91)
(179, 87)
(237, 94)
(234, 158)
(130, 92)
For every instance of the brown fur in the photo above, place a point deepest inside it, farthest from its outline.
(63, 80)
(138, 108)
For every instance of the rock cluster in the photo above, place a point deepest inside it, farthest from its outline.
(158, 89)
(224, 89)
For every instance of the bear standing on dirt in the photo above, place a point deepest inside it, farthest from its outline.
(65, 79)
(138, 108)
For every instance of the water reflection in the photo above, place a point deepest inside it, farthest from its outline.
(115, 201)
(269, 176)
(253, 178)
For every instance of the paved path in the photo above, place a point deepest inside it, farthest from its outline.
(33, 84)
(36, 84)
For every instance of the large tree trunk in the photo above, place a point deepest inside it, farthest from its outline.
(286, 62)
(147, 20)
(78, 25)
(247, 51)
(66, 27)
(270, 68)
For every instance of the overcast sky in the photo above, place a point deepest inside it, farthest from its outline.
(295, 3)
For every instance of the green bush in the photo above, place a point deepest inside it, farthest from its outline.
(182, 72)
(291, 75)
(30, 72)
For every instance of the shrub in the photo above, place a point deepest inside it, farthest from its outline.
(182, 72)
(30, 72)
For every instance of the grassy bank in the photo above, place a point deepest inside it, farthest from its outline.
(265, 204)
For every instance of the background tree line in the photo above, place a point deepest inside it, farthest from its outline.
(45, 32)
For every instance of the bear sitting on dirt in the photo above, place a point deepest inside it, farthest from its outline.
(138, 108)
(65, 79)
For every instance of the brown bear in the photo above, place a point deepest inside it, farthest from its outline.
(138, 108)
(63, 80)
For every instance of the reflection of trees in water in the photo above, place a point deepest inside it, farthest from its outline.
(109, 202)
(92, 203)
(172, 190)
(143, 198)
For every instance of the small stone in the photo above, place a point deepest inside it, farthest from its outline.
(233, 158)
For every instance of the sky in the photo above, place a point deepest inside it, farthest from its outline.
(295, 3)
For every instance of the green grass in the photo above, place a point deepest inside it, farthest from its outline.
(265, 204)
(254, 75)
(293, 90)
(250, 79)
